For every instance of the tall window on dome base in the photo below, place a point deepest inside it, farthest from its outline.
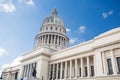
(110, 70)
(118, 64)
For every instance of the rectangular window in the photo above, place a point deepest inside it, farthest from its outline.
(92, 70)
(118, 63)
(85, 71)
(110, 70)
(80, 72)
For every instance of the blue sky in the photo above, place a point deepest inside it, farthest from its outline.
(20, 22)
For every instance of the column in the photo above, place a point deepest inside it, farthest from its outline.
(70, 68)
(57, 71)
(88, 66)
(8, 76)
(49, 72)
(57, 40)
(42, 39)
(81, 62)
(51, 39)
(113, 63)
(62, 41)
(98, 63)
(48, 39)
(65, 70)
(54, 38)
(104, 63)
(94, 65)
(53, 71)
(45, 39)
(76, 68)
(30, 70)
(23, 72)
(61, 69)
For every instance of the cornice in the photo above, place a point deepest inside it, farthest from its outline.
(87, 51)
(54, 32)
(107, 44)
(37, 55)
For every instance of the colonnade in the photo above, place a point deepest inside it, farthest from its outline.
(27, 69)
(52, 39)
(75, 68)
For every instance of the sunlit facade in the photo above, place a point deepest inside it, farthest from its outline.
(97, 59)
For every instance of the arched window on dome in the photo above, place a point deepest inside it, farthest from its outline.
(63, 31)
(51, 28)
(46, 28)
(60, 30)
(56, 28)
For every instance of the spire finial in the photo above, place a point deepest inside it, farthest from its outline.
(54, 12)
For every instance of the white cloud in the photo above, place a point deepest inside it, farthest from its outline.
(7, 6)
(30, 3)
(2, 52)
(82, 28)
(14, 63)
(107, 14)
(73, 40)
(3, 67)
(20, 1)
(68, 30)
(104, 15)
(110, 12)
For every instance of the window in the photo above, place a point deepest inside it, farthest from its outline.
(51, 28)
(51, 73)
(46, 28)
(80, 72)
(92, 70)
(56, 28)
(85, 71)
(118, 63)
(110, 70)
(58, 71)
(60, 29)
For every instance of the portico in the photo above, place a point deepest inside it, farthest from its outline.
(74, 68)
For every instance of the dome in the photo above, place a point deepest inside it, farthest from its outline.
(52, 33)
(53, 20)
(53, 23)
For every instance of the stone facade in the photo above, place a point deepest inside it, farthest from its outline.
(97, 59)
